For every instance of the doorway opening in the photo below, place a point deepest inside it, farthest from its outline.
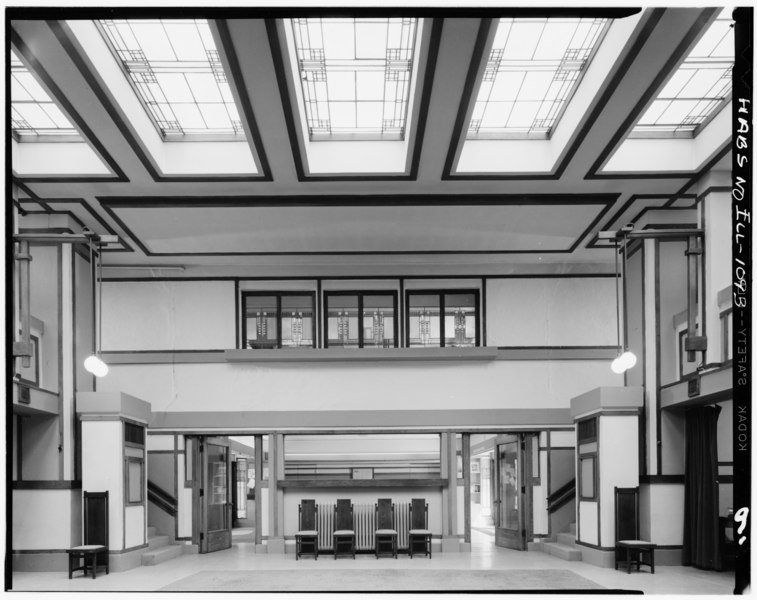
(226, 490)
(503, 472)
(243, 521)
(481, 499)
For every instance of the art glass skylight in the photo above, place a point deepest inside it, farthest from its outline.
(355, 76)
(697, 90)
(176, 70)
(533, 68)
(33, 112)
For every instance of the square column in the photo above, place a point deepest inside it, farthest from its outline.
(607, 448)
(114, 460)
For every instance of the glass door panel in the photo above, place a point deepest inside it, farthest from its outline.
(509, 530)
(215, 495)
(218, 492)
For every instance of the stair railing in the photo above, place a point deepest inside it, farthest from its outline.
(559, 498)
(162, 499)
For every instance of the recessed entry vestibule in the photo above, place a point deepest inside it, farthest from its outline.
(504, 488)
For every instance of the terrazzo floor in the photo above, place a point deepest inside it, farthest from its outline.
(325, 574)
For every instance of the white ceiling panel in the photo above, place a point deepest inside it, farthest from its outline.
(374, 229)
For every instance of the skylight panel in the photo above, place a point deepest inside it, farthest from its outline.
(175, 69)
(34, 113)
(697, 90)
(355, 76)
(533, 69)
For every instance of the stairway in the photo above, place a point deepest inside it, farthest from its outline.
(160, 548)
(563, 546)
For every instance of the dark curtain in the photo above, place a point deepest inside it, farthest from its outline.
(701, 538)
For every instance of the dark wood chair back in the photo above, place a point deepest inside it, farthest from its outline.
(343, 510)
(626, 513)
(308, 512)
(384, 514)
(95, 518)
(418, 513)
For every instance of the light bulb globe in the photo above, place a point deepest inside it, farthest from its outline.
(617, 366)
(628, 359)
(95, 365)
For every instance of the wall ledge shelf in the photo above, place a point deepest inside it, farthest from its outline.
(361, 483)
(362, 354)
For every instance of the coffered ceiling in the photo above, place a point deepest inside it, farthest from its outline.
(433, 202)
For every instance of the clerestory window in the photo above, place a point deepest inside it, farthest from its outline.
(361, 319)
(442, 319)
(278, 320)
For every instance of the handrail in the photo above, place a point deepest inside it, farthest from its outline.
(561, 496)
(162, 499)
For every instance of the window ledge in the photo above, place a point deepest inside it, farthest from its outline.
(360, 354)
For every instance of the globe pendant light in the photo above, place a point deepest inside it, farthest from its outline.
(625, 359)
(93, 363)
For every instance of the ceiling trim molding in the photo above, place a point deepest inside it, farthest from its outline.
(456, 142)
(64, 36)
(694, 31)
(719, 154)
(594, 223)
(81, 124)
(18, 206)
(23, 187)
(612, 222)
(244, 98)
(578, 137)
(84, 204)
(357, 200)
(280, 69)
(710, 190)
(111, 204)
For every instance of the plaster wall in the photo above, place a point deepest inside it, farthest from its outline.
(550, 312)
(355, 386)
(168, 315)
(102, 470)
(46, 519)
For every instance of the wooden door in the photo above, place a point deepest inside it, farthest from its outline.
(510, 510)
(215, 494)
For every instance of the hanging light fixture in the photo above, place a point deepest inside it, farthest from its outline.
(625, 359)
(93, 363)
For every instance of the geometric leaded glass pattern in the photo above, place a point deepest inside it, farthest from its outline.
(355, 76)
(533, 68)
(697, 90)
(33, 112)
(175, 68)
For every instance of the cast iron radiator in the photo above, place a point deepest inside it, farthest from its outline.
(365, 526)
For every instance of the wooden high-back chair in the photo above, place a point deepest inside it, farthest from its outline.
(629, 549)
(385, 534)
(94, 548)
(344, 527)
(306, 537)
(419, 532)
